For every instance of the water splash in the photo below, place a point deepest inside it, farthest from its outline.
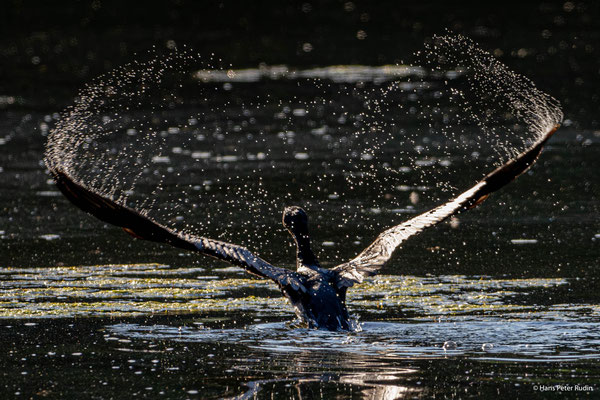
(187, 140)
(493, 96)
(491, 340)
(464, 114)
(429, 317)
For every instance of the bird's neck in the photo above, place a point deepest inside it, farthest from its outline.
(305, 254)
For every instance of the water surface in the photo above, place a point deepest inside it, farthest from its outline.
(502, 300)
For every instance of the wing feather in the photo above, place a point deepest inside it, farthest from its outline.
(371, 259)
(143, 227)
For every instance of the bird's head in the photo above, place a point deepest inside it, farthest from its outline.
(296, 221)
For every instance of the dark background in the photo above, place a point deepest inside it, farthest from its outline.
(49, 49)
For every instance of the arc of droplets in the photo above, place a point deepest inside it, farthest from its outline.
(488, 77)
(378, 123)
(102, 111)
(492, 91)
(75, 144)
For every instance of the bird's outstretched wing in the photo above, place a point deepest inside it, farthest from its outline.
(142, 227)
(371, 259)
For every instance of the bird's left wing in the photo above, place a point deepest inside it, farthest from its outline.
(143, 227)
(371, 259)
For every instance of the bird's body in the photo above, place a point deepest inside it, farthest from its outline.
(322, 305)
(317, 294)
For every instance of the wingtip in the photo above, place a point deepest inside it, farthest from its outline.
(55, 172)
(59, 174)
(550, 133)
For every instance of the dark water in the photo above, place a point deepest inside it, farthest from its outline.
(505, 304)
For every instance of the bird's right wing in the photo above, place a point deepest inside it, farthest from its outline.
(371, 259)
(143, 227)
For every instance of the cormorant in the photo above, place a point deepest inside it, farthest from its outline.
(317, 294)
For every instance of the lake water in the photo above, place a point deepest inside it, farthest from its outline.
(503, 301)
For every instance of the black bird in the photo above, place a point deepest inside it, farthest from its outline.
(317, 294)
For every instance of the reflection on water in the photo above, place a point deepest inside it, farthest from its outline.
(380, 345)
(384, 385)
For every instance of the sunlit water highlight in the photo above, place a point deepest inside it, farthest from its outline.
(154, 322)
(526, 340)
(134, 290)
(442, 316)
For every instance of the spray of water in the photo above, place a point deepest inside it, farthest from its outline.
(462, 114)
(197, 145)
(493, 97)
